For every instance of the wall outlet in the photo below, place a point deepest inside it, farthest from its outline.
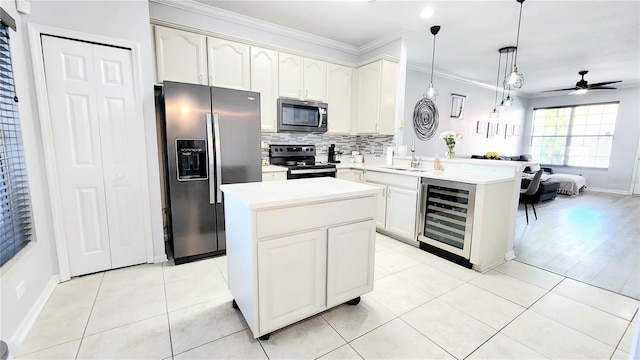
(20, 289)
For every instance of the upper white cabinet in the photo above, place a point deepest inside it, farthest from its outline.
(301, 78)
(339, 98)
(377, 97)
(197, 59)
(228, 64)
(264, 79)
(180, 56)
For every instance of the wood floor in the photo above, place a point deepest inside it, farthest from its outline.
(593, 238)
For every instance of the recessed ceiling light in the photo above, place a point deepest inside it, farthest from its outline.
(427, 13)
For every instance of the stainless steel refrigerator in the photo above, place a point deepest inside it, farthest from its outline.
(212, 138)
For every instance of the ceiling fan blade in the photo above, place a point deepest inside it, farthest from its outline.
(571, 88)
(604, 83)
(601, 88)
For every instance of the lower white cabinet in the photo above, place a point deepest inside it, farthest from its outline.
(397, 204)
(303, 274)
(350, 174)
(294, 251)
(274, 176)
(292, 280)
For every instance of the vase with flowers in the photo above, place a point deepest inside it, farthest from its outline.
(450, 138)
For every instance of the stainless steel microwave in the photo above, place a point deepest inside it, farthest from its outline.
(301, 116)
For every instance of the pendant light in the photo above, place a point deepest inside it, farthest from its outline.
(516, 79)
(432, 93)
(494, 114)
(508, 51)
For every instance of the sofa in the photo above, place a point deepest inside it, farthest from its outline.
(546, 191)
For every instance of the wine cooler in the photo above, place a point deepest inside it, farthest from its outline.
(446, 219)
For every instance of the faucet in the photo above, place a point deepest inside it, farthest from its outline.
(415, 161)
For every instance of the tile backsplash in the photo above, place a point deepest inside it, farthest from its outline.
(345, 143)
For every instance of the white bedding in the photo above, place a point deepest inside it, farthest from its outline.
(569, 184)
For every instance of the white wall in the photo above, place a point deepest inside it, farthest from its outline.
(619, 176)
(38, 265)
(478, 104)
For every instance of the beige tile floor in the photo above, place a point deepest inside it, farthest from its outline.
(423, 307)
(593, 237)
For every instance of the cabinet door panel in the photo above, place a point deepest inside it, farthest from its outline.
(315, 80)
(292, 273)
(290, 75)
(228, 64)
(402, 206)
(350, 262)
(369, 97)
(381, 204)
(339, 96)
(388, 98)
(180, 56)
(264, 79)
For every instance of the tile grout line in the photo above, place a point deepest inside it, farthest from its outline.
(166, 307)
(95, 299)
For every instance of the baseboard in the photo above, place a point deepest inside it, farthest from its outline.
(160, 258)
(620, 192)
(30, 318)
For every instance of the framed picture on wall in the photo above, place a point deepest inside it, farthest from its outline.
(481, 127)
(457, 106)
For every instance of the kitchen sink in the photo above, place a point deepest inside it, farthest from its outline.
(404, 168)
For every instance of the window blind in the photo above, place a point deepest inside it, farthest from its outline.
(15, 206)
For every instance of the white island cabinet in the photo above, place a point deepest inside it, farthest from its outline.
(298, 247)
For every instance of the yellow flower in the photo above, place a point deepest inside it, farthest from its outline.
(492, 155)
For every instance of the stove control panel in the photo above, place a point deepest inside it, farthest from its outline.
(292, 150)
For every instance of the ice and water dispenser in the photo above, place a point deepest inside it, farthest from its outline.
(192, 159)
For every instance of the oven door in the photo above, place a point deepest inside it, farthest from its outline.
(302, 116)
(446, 215)
(310, 173)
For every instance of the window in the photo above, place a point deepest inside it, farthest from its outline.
(579, 135)
(15, 209)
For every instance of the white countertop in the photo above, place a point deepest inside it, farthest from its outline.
(464, 174)
(257, 195)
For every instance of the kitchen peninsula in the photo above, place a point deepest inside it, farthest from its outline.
(298, 247)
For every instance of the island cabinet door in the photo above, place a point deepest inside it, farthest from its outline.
(350, 261)
(292, 278)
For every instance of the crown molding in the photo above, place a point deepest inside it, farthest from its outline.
(225, 15)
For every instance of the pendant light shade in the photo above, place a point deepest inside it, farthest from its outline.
(515, 80)
(431, 92)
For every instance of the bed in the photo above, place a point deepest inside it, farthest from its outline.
(569, 184)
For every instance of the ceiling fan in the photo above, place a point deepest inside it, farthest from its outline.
(583, 86)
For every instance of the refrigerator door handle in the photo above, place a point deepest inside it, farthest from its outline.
(216, 134)
(211, 164)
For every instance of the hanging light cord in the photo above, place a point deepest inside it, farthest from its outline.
(515, 59)
(495, 102)
(433, 56)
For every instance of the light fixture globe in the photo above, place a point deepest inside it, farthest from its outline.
(515, 80)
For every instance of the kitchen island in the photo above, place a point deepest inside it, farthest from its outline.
(298, 247)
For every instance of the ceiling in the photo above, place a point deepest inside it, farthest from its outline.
(557, 38)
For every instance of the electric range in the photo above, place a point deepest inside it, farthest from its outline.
(301, 161)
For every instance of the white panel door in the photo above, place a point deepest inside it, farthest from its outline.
(350, 262)
(369, 97)
(180, 56)
(381, 204)
(315, 79)
(290, 79)
(339, 97)
(98, 143)
(292, 272)
(228, 64)
(264, 79)
(402, 205)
